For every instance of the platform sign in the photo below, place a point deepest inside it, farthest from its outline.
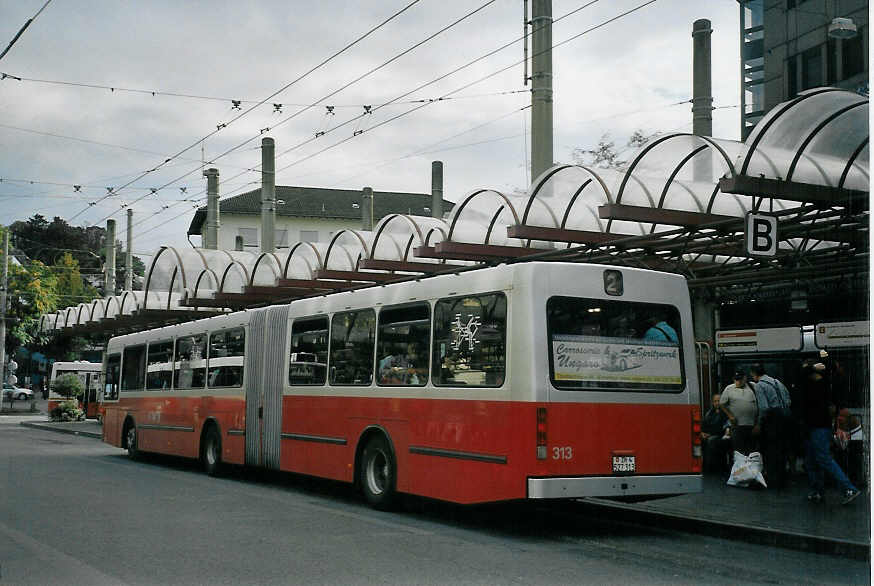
(760, 234)
(842, 334)
(759, 340)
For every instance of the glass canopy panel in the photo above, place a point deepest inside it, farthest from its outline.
(583, 214)
(234, 278)
(789, 128)
(347, 248)
(159, 299)
(304, 259)
(694, 159)
(130, 302)
(71, 315)
(483, 217)
(547, 203)
(98, 308)
(859, 177)
(113, 307)
(268, 268)
(83, 314)
(832, 147)
(206, 284)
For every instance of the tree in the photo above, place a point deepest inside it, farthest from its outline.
(68, 386)
(605, 155)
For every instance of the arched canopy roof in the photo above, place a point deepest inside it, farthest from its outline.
(820, 137)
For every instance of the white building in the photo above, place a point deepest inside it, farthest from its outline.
(305, 214)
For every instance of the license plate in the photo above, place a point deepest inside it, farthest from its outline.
(623, 464)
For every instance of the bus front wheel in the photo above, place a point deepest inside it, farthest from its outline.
(378, 474)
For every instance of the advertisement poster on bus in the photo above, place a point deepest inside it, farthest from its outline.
(621, 360)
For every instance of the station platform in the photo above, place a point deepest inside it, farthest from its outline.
(782, 518)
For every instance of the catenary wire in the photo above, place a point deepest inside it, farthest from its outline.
(224, 125)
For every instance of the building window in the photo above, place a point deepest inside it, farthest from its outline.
(792, 75)
(853, 55)
(811, 68)
(309, 235)
(250, 236)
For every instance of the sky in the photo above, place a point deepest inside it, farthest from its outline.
(634, 73)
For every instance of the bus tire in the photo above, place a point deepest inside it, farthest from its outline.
(130, 440)
(211, 452)
(378, 474)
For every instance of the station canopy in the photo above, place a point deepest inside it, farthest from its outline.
(678, 205)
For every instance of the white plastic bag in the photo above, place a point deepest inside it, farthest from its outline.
(746, 470)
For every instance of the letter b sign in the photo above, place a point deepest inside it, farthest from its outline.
(760, 234)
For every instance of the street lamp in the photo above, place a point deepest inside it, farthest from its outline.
(842, 28)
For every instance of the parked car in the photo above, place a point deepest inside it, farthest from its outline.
(11, 392)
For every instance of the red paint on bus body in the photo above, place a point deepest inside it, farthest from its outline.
(474, 451)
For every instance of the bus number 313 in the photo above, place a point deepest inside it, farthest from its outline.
(563, 453)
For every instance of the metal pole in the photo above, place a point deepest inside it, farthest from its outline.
(702, 91)
(268, 194)
(367, 208)
(129, 255)
(213, 219)
(3, 306)
(702, 97)
(436, 189)
(541, 87)
(238, 243)
(109, 287)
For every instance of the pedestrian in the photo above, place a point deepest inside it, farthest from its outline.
(738, 402)
(774, 416)
(817, 416)
(716, 438)
(660, 330)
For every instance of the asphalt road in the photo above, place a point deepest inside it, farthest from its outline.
(75, 511)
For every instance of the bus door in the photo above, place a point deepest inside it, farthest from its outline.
(267, 339)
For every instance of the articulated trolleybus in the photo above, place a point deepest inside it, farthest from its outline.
(532, 380)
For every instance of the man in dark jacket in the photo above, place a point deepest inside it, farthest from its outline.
(714, 435)
(817, 416)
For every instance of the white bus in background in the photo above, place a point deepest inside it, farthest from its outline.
(90, 373)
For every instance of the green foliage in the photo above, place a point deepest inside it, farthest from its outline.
(605, 154)
(67, 411)
(69, 386)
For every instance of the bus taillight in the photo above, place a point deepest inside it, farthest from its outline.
(541, 433)
(696, 438)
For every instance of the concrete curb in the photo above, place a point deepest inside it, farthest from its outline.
(738, 532)
(57, 429)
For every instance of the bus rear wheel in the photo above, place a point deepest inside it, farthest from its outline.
(378, 474)
(211, 455)
(130, 441)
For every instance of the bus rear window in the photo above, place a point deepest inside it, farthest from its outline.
(598, 344)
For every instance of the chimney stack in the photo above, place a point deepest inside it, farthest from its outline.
(268, 194)
(213, 218)
(436, 189)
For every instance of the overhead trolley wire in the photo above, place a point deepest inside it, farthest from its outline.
(343, 87)
(6, 75)
(224, 125)
(564, 42)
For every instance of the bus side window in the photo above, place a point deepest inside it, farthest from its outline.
(113, 371)
(470, 341)
(189, 370)
(226, 359)
(159, 367)
(133, 373)
(402, 345)
(352, 336)
(308, 362)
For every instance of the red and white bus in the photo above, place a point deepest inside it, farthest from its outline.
(89, 373)
(532, 380)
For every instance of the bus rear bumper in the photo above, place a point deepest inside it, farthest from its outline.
(612, 486)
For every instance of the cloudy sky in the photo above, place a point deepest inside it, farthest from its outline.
(623, 76)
